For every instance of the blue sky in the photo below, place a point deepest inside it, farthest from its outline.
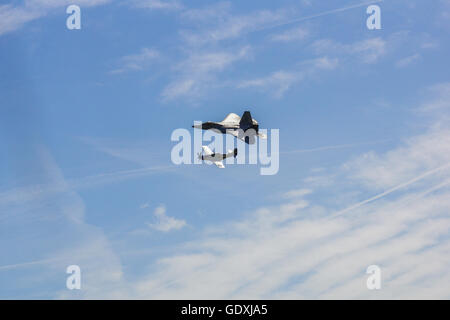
(86, 176)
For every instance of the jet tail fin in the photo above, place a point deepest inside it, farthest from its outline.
(246, 119)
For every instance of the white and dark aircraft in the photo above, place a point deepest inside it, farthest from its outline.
(216, 158)
(245, 128)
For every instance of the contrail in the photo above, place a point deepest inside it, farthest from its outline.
(124, 174)
(25, 264)
(339, 146)
(319, 15)
(30, 193)
(437, 187)
(385, 193)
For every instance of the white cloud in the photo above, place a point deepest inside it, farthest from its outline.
(370, 50)
(62, 3)
(221, 24)
(292, 252)
(420, 152)
(407, 60)
(213, 12)
(295, 34)
(72, 241)
(14, 17)
(367, 51)
(439, 100)
(165, 223)
(31, 193)
(298, 193)
(279, 82)
(197, 73)
(444, 14)
(157, 4)
(144, 205)
(136, 62)
(217, 23)
(298, 250)
(402, 164)
(322, 63)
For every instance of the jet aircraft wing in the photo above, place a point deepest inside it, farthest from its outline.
(232, 118)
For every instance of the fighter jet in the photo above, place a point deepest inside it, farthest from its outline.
(216, 158)
(245, 128)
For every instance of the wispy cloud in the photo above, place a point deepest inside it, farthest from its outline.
(218, 23)
(294, 251)
(230, 26)
(367, 51)
(310, 245)
(298, 193)
(279, 82)
(416, 156)
(30, 193)
(198, 72)
(157, 4)
(321, 63)
(13, 17)
(136, 62)
(210, 13)
(309, 248)
(165, 223)
(295, 34)
(72, 241)
(333, 147)
(440, 95)
(142, 153)
(404, 62)
(144, 205)
(317, 15)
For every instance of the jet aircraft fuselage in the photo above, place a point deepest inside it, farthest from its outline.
(245, 128)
